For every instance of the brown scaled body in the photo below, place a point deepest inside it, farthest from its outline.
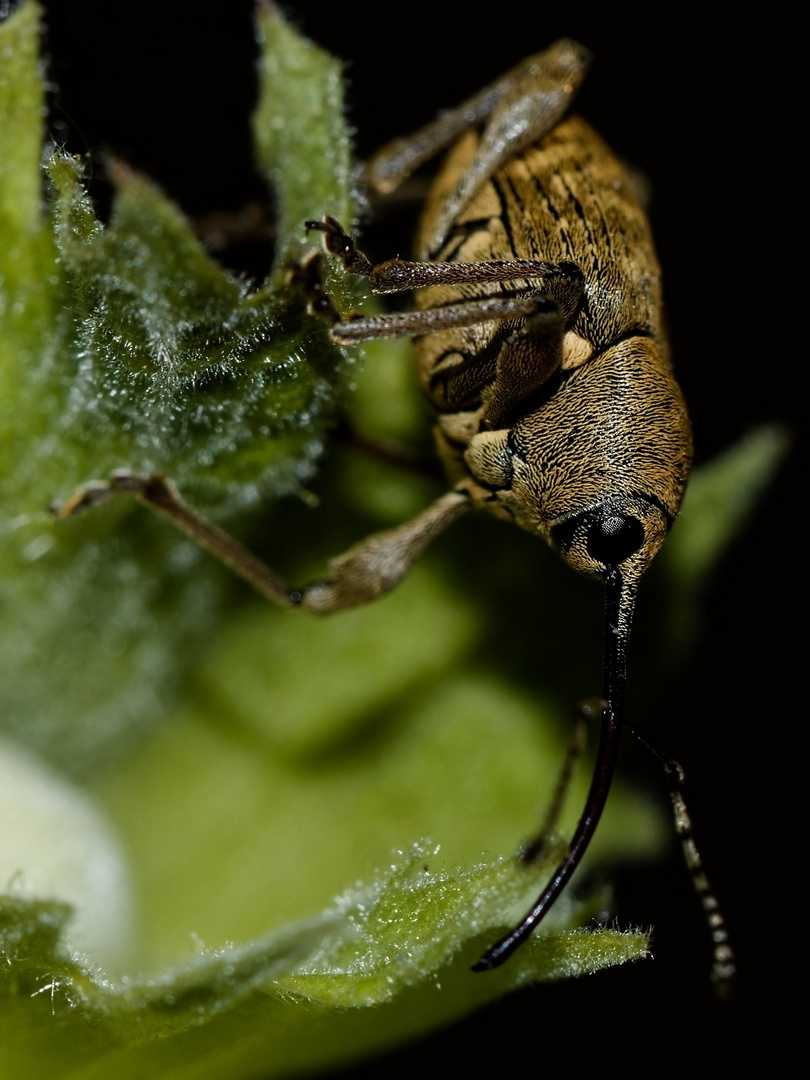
(608, 421)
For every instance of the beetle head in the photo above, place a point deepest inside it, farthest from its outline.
(600, 466)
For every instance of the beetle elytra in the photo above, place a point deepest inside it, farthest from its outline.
(540, 346)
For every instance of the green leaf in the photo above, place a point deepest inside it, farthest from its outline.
(191, 372)
(300, 134)
(127, 346)
(720, 499)
(21, 114)
(278, 1005)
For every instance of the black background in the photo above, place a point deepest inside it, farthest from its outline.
(167, 85)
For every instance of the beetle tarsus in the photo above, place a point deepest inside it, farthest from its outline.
(340, 243)
(308, 276)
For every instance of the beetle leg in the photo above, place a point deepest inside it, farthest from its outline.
(378, 563)
(357, 328)
(367, 570)
(527, 101)
(555, 291)
(558, 279)
(562, 280)
(520, 356)
(535, 849)
(390, 451)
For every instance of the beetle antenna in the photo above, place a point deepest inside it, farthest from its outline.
(723, 962)
(619, 602)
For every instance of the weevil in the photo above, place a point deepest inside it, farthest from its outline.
(540, 345)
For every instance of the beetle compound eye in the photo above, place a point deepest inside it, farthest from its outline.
(613, 539)
(601, 537)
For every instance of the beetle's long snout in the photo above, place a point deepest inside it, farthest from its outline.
(619, 603)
